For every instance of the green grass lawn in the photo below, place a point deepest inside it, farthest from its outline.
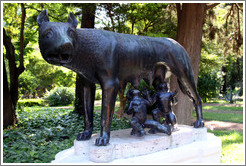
(232, 146)
(220, 116)
(222, 108)
(220, 101)
(225, 117)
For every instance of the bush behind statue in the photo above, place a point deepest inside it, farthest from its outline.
(208, 86)
(60, 96)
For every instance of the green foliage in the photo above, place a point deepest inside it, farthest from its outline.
(211, 58)
(40, 77)
(210, 75)
(39, 135)
(64, 77)
(60, 96)
(208, 86)
(98, 95)
(223, 38)
(152, 19)
(28, 83)
(30, 102)
(43, 132)
(234, 72)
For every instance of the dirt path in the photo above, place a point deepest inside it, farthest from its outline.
(222, 111)
(219, 125)
(222, 104)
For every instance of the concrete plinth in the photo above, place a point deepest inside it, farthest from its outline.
(185, 145)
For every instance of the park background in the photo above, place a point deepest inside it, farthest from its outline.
(42, 110)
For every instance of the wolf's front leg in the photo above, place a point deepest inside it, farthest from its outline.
(88, 105)
(109, 93)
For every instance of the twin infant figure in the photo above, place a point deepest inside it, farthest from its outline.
(163, 117)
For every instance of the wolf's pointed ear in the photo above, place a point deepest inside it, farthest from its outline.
(72, 20)
(43, 17)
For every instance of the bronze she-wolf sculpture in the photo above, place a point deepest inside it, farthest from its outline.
(111, 60)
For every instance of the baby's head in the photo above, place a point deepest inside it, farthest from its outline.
(163, 86)
(133, 93)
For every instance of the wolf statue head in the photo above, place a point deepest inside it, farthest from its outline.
(57, 40)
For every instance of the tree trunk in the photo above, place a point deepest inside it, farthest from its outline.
(88, 15)
(120, 111)
(109, 8)
(189, 35)
(9, 115)
(12, 94)
(88, 21)
(79, 95)
(13, 70)
(224, 78)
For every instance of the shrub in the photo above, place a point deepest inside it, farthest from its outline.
(28, 84)
(30, 103)
(208, 86)
(98, 95)
(60, 96)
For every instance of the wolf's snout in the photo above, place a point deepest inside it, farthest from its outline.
(66, 47)
(60, 55)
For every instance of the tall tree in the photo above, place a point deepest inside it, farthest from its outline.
(8, 107)
(88, 21)
(190, 23)
(14, 71)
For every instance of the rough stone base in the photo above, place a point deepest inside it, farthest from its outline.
(185, 145)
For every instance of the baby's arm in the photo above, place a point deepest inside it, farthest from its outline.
(174, 99)
(130, 108)
(150, 101)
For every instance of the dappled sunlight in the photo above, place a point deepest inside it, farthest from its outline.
(232, 146)
(234, 137)
(232, 153)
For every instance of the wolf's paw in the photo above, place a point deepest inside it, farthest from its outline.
(198, 123)
(102, 141)
(84, 135)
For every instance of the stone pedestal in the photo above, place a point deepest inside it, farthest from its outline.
(185, 145)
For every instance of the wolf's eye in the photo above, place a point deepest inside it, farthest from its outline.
(71, 33)
(49, 34)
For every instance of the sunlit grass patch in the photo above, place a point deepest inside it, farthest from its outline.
(220, 101)
(232, 146)
(222, 108)
(225, 117)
